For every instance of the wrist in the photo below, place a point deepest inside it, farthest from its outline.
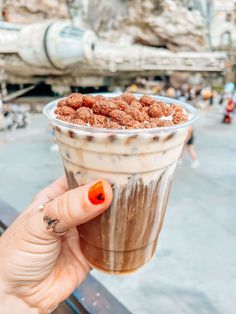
(9, 303)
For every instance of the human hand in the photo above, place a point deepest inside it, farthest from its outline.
(40, 267)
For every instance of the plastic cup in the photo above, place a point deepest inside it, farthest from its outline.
(140, 164)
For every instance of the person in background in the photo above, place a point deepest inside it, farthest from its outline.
(229, 111)
(171, 92)
(192, 93)
(191, 149)
(211, 99)
(178, 93)
(182, 96)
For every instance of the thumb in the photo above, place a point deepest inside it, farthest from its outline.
(79, 205)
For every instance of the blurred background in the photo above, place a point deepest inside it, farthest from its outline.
(185, 49)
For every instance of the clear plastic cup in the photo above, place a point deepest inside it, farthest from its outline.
(140, 164)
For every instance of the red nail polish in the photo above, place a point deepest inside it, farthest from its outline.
(96, 193)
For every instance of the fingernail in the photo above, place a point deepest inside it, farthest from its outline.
(96, 193)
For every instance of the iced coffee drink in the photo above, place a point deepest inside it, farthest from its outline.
(133, 141)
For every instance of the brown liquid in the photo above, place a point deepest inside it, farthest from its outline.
(125, 236)
(140, 165)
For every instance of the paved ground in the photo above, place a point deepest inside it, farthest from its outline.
(194, 269)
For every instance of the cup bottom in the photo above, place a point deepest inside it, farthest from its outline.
(117, 262)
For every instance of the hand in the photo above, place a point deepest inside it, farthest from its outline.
(38, 266)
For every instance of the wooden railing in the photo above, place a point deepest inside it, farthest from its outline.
(89, 298)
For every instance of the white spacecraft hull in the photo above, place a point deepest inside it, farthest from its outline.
(58, 53)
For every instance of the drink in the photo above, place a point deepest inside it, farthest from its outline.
(140, 165)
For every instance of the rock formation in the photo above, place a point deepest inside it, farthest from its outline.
(158, 23)
(162, 23)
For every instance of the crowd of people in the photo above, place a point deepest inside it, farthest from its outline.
(200, 96)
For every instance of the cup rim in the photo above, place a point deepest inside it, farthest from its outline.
(49, 109)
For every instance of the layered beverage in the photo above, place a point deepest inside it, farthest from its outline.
(134, 142)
